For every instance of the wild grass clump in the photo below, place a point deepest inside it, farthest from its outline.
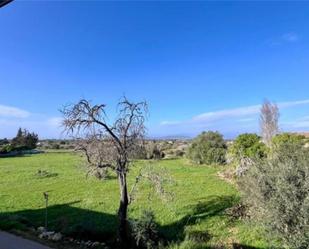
(145, 230)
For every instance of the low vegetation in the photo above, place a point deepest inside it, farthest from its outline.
(277, 191)
(166, 200)
(247, 146)
(87, 209)
(208, 148)
(24, 140)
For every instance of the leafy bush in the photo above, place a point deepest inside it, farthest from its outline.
(6, 149)
(288, 139)
(145, 230)
(208, 148)
(247, 145)
(277, 188)
(4, 141)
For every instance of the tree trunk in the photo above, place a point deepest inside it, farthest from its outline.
(123, 210)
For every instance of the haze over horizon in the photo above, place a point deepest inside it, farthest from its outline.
(200, 65)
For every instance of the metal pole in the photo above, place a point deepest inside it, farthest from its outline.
(46, 206)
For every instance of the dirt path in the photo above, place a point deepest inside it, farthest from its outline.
(10, 241)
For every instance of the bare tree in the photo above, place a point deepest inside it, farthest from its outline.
(108, 146)
(269, 117)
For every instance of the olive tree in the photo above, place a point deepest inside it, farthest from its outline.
(208, 148)
(107, 146)
(277, 189)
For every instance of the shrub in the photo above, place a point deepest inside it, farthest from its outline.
(138, 152)
(277, 189)
(208, 148)
(4, 141)
(154, 151)
(55, 146)
(6, 149)
(288, 139)
(247, 145)
(145, 230)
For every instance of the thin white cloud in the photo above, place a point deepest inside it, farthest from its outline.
(55, 121)
(290, 37)
(245, 111)
(300, 123)
(230, 121)
(13, 112)
(236, 112)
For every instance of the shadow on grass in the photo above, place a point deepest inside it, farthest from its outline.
(71, 221)
(205, 208)
(97, 226)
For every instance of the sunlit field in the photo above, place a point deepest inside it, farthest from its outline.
(85, 206)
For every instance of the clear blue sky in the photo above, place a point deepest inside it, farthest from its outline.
(200, 65)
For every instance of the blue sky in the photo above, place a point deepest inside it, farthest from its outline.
(200, 65)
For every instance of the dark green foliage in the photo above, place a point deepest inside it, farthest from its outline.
(247, 145)
(145, 230)
(7, 148)
(138, 152)
(45, 174)
(24, 140)
(17, 222)
(277, 188)
(199, 236)
(208, 148)
(4, 141)
(154, 151)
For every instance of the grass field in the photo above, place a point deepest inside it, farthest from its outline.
(78, 204)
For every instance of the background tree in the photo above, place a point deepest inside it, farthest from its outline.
(209, 148)
(4, 141)
(108, 146)
(247, 145)
(269, 117)
(24, 140)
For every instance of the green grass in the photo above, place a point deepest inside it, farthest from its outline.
(195, 217)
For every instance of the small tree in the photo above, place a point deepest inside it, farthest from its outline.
(269, 117)
(209, 148)
(247, 145)
(108, 146)
(24, 140)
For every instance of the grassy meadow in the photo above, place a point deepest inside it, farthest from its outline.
(86, 206)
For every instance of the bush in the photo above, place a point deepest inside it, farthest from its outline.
(154, 151)
(277, 189)
(208, 148)
(247, 145)
(4, 141)
(55, 146)
(288, 139)
(6, 149)
(145, 230)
